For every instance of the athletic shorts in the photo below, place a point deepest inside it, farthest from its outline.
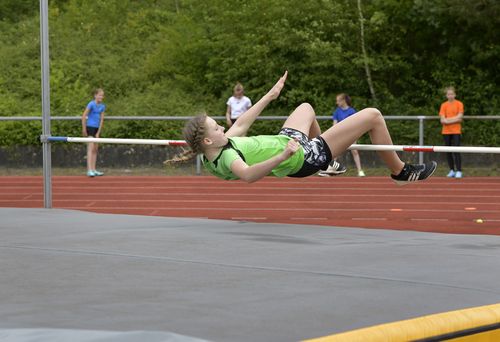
(92, 131)
(317, 154)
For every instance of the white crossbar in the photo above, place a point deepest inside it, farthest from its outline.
(359, 147)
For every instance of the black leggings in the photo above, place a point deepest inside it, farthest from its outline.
(454, 159)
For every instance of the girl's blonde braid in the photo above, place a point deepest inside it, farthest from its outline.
(194, 132)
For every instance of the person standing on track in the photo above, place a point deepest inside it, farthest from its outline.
(92, 123)
(452, 114)
(237, 104)
(298, 150)
(344, 110)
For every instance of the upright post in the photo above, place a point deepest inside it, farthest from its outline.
(198, 164)
(44, 52)
(421, 137)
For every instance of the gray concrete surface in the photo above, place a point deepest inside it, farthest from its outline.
(75, 335)
(230, 281)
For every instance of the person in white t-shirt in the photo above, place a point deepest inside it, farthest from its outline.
(237, 104)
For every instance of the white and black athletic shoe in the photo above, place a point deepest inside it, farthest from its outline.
(414, 173)
(335, 168)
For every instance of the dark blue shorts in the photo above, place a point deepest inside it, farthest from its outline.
(317, 154)
(92, 131)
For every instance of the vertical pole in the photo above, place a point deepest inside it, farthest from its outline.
(44, 52)
(421, 138)
(198, 164)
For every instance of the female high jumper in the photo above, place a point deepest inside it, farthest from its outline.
(298, 150)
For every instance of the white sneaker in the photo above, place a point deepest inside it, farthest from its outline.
(330, 171)
(335, 168)
(361, 173)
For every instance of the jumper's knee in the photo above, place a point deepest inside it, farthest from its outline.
(306, 108)
(375, 114)
(375, 111)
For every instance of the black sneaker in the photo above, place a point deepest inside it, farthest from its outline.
(414, 173)
(335, 168)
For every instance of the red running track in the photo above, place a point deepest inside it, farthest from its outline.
(437, 205)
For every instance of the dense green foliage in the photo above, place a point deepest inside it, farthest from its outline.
(179, 57)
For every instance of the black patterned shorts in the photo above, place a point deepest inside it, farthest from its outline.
(317, 154)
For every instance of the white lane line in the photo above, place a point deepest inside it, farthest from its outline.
(247, 194)
(128, 200)
(216, 209)
(249, 218)
(124, 190)
(196, 181)
(369, 219)
(156, 196)
(294, 189)
(428, 219)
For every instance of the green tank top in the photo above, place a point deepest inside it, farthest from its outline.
(254, 150)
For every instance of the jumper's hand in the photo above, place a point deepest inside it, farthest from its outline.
(290, 149)
(276, 89)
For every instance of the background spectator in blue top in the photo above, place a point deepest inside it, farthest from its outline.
(92, 122)
(343, 110)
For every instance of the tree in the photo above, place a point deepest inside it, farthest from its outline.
(365, 55)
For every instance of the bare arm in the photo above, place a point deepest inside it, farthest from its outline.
(455, 119)
(101, 123)
(257, 171)
(228, 116)
(246, 119)
(84, 121)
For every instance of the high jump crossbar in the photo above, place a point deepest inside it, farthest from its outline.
(359, 147)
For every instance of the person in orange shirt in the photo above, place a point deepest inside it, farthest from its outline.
(452, 114)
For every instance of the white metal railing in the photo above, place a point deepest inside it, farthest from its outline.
(46, 119)
(420, 118)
